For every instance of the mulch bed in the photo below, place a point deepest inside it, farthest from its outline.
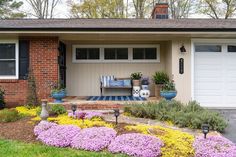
(22, 130)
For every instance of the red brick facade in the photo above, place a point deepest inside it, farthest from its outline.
(43, 62)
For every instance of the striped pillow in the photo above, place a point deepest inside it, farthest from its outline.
(105, 80)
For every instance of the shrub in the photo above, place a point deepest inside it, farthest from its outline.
(27, 111)
(191, 115)
(2, 102)
(135, 144)
(57, 109)
(136, 76)
(93, 139)
(9, 115)
(59, 136)
(214, 146)
(160, 77)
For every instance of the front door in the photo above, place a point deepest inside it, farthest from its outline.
(62, 64)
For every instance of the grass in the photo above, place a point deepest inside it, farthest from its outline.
(9, 148)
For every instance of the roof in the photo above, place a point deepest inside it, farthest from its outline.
(119, 24)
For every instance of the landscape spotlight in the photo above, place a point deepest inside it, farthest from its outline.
(205, 129)
(116, 114)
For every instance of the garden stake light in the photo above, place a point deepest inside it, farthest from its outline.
(73, 108)
(116, 114)
(205, 129)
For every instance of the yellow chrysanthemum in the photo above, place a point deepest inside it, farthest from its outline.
(26, 111)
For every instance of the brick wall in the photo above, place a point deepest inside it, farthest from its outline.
(43, 61)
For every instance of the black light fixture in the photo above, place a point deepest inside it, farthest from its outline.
(116, 114)
(182, 49)
(205, 129)
(73, 108)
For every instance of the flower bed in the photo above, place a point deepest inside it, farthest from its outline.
(135, 144)
(59, 136)
(93, 139)
(214, 146)
(26, 111)
(176, 143)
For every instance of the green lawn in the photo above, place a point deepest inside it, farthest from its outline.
(9, 148)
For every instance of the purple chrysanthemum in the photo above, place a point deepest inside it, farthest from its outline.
(214, 146)
(43, 126)
(59, 136)
(93, 139)
(136, 144)
(85, 114)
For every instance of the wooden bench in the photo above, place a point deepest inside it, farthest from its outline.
(115, 87)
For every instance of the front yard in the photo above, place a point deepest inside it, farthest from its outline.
(89, 133)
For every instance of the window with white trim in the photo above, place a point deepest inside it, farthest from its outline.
(208, 48)
(8, 60)
(116, 53)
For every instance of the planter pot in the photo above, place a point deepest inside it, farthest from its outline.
(168, 95)
(158, 88)
(145, 87)
(58, 96)
(136, 82)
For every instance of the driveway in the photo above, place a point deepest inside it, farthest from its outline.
(230, 131)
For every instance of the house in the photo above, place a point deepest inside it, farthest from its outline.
(77, 52)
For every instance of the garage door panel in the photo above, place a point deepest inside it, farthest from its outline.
(215, 78)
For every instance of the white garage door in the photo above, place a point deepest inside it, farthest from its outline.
(215, 75)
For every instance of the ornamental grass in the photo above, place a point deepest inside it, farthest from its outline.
(59, 136)
(93, 139)
(214, 146)
(135, 144)
(176, 143)
(86, 123)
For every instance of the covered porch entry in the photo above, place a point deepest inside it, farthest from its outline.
(90, 56)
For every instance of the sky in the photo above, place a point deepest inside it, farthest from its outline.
(62, 10)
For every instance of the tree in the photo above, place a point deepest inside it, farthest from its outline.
(218, 8)
(43, 9)
(9, 9)
(32, 98)
(180, 9)
(139, 6)
(97, 9)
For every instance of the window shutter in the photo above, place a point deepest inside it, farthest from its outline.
(23, 59)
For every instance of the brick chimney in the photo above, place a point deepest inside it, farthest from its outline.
(160, 11)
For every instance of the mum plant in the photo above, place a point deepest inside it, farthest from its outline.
(93, 139)
(59, 136)
(214, 146)
(135, 144)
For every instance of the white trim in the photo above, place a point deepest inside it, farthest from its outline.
(130, 53)
(16, 76)
(222, 42)
(117, 32)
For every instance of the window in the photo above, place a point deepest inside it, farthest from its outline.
(87, 54)
(8, 60)
(116, 53)
(208, 48)
(144, 53)
(231, 48)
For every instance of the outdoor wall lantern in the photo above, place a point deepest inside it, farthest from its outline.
(116, 114)
(73, 108)
(183, 49)
(205, 129)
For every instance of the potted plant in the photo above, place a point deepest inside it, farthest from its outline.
(2, 102)
(135, 77)
(145, 83)
(58, 93)
(168, 91)
(159, 78)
